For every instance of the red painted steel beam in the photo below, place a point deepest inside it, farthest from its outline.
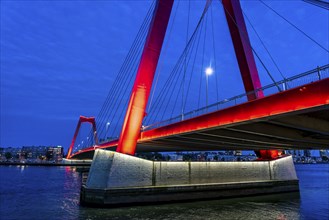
(301, 98)
(144, 78)
(113, 143)
(242, 47)
(82, 119)
(245, 57)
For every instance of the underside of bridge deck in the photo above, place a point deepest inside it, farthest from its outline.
(293, 119)
(298, 130)
(306, 129)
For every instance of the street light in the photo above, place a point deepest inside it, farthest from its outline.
(107, 128)
(95, 133)
(209, 71)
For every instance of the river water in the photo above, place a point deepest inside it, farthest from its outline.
(32, 192)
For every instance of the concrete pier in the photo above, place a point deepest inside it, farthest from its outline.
(119, 179)
(76, 162)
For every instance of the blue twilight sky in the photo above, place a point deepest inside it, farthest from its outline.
(59, 58)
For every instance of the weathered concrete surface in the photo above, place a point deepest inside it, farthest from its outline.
(283, 169)
(116, 178)
(111, 170)
(165, 194)
(76, 162)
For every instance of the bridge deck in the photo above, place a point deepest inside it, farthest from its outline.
(294, 119)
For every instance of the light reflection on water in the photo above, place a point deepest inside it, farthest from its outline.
(264, 207)
(53, 193)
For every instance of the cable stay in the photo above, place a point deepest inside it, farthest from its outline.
(193, 66)
(185, 91)
(245, 35)
(165, 48)
(118, 96)
(214, 51)
(173, 79)
(185, 64)
(319, 3)
(202, 61)
(129, 71)
(306, 35)
(263, 44)
(116, 99)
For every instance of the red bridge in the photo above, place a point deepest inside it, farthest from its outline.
(288, 114)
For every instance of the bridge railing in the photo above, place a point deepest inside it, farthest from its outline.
(288, 83)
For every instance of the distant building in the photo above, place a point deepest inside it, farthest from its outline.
(291, 152)
(229, 152)
(2, 155)
(307, 153)
(298, 153)
(237, 153)
(12, 151)
(54, 153)
(32, 153)
(324, 154)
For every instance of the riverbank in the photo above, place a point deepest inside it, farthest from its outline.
(43, 164)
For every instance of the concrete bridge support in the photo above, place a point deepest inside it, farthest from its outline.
(119, 179)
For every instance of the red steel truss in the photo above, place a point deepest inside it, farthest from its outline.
(144, 78)
(82, 119)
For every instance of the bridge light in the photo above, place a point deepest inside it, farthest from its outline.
(209, 71)
(106, 130)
